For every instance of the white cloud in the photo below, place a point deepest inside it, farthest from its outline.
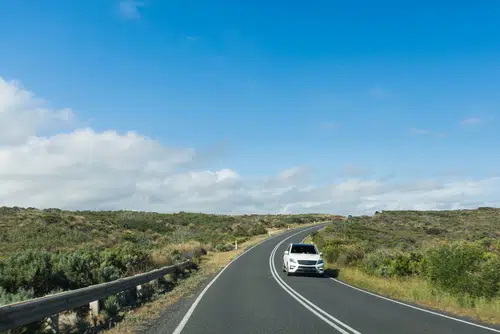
(129, 9)
(86, 169)
(471, 121)
(22, 114)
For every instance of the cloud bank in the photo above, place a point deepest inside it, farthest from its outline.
(80, 168)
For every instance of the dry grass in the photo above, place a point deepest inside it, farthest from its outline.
(418, 291)
(210, 264)
(163, 256)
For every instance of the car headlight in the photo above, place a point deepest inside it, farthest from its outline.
(321, 262)
(293, 260)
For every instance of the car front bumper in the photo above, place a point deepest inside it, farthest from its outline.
(300, 268)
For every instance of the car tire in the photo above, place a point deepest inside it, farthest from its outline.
(284, 268)
(288, 273)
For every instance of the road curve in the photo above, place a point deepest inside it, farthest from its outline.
(253, 295)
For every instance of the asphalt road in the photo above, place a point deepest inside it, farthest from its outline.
(253, 295)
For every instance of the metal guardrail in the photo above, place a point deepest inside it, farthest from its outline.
(25, 312)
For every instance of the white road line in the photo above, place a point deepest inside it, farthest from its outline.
(320, 313)
(416, 308)
(189, 313)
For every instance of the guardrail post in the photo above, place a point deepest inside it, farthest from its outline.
(236, 244)
(138, 290)
(95, 308)
(156, 283)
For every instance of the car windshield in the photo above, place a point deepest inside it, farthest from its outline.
(303, 249)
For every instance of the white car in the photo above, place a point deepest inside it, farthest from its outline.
(303, 258)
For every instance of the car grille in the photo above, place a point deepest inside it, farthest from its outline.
(307, 262)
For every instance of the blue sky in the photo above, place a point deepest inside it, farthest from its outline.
(382, 87)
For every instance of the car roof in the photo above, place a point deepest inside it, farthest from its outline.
(301, 244)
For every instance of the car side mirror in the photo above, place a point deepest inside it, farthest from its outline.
(320, 254)
(286, 252)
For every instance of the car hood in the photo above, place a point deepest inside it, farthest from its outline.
(299, 256)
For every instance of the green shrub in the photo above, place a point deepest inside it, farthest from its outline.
(392, 263)
(76, 270)
(27, 270)
(111, 307)
(486, 279)
(224, 247)
(240, 231)
(350, 255)
(331, 252)
(377, 262)
(19, 296)
(405, 264)
(463, 268)
(52, 218)
(258, 229)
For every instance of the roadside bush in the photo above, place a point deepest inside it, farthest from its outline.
(240, 231)
(224, 247)
(463, 268)
(389, 263)
(19, 296)
(405, 264)
(318, 240)
(331, 252)
(76, 270)
(487, 278)
(258, 229)
(377, 263)
(27, 270)
(350, 255)
(127, 259)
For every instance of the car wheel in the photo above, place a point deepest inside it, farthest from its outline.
(288, 273)
(284, 268)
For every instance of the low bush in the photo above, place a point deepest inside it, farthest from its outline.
(350, 255)
(258, 229)
(19, 296)
(224, 247)
(463, 268)
(331, 252)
